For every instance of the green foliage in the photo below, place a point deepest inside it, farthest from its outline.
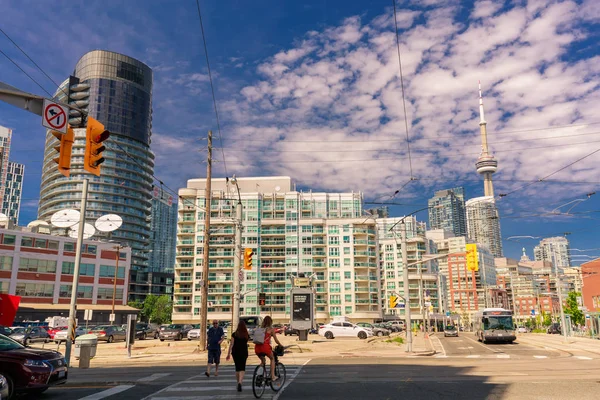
(397, 339)
(538, 331)
(547, 319)
(571, 307)
(155, 309)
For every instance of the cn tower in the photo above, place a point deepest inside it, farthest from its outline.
(486, 163)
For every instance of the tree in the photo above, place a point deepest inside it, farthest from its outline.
(547, 319)
(572, 308)
(155, 309)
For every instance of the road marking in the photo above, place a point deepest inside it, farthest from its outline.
(584, 358)
(474, 356)
(502, 356)
(437, 345)
(109, 392)
(540, 356)
(230, 386)
(153, 377)
(441, 356)
(276, 397)
(210, 397)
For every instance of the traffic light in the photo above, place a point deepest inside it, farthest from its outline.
(94, 136)
(472, 257)
(79, 99)
(393, 301)
(262, 299)
(64, 150)
(248, 253)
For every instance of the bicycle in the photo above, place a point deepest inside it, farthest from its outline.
(262, 375)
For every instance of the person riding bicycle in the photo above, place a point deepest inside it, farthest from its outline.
(265, 349)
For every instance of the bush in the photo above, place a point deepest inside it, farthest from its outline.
(538, 331)
(397, 340)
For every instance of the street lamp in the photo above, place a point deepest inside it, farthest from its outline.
(118, 249)
(237, 257)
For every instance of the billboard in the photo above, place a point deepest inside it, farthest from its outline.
(302, 308)
(472, 257)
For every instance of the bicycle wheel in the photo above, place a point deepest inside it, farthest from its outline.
(258, 381)
(279, 372)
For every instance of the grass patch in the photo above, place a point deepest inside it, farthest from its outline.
(397, 340)
(538, 331)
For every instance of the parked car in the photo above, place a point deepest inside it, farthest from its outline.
(194, 334)
(109, 333)
(288, 331)
(450, 330)
(554, 329)
(278, 328)
(376, 330)
(30, 335)
(522, 329)
(61, 336)
(252, 322)
(335, 329)
(52, 331)
(144, 331)
(175, 332)
(27, 370)
(383, 326)
(398, 326)
(5, 331)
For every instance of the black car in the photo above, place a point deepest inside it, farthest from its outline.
(30, 335)
(28, 370)
(554, 329)
(5, 331)
(144, 331)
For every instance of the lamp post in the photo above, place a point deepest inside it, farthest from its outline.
(117, 248)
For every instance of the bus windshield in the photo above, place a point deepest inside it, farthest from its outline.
(498, 322)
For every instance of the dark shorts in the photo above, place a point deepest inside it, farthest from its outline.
(240, 362)
(214, 356)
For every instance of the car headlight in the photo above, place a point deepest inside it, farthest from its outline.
(35, 363)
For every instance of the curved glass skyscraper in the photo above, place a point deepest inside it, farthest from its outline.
(117, 91)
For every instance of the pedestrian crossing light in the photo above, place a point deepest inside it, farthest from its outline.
(248, 253)
(393, 301)
(472, 257)
(262, 299)
(64, 150)
(95, 135)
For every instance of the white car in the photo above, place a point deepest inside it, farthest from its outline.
(194, 334)
(522, 329)
(335, 329)
(61, 336)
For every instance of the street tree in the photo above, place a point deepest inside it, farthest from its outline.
(155, 309)
(572, 308)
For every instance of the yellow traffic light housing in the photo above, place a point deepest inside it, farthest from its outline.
(393, 301)
(64, 150)
(94, 136)
(248, 253)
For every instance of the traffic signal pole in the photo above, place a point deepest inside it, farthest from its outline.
(407, 321)
(72, 311)
(237, 261)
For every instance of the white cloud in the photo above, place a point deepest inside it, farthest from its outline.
(486, 8)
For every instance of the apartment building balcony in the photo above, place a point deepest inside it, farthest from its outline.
(221, 254)
(179, 290)
(182, 302)
(318, 253)
(272, 232)
(272, 242)
(222, 290)
(185, 242)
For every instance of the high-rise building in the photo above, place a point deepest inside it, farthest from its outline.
(11, 179)
(447, 211)
(423, 279)
(483, 223)
(11, 202)
(117, 91)
(323, 235)
(554, 249)
(164, 232)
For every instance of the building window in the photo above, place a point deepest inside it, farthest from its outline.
(6, 263)
(35, 289)
(89, 249)
(348, 298)
(4, 287)
(35, 265)
(107, 294)
(26, 242)
(69, 246)
(347, 286)
(348, 310)
(68, 268)
(83, 292)
(108, 271)
(9, 240)
(334, 252)
(347, 275)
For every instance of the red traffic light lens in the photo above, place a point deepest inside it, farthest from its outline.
(101, 137)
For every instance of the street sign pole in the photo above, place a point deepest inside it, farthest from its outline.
(78, 247)
(237, 261)
(407, 321)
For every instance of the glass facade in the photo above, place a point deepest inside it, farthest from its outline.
(447, 211)
(120, 97)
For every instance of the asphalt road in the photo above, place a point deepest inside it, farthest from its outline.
(463, 369)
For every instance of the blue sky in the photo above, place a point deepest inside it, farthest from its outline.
(311, 89)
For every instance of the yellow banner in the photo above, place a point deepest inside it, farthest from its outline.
(472, 258)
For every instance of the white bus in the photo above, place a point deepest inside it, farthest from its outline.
(494, 324)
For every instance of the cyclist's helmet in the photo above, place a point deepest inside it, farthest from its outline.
(279, 351)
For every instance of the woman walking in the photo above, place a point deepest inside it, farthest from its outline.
(239, 349)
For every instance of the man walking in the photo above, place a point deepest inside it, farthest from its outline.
(214, 339)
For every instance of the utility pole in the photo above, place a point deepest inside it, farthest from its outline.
(118, 249)
(563, 321)
(72, 311)
(205, 258)
(407, 322)
(237, 260)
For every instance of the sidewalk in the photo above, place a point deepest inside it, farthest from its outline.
(558, 342)
(186, 352)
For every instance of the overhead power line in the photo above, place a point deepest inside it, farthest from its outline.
(25, 72)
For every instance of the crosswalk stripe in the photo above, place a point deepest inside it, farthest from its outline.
(205, 388)
(108, 392)
(153, 377)
(474, 356)
(502, 356)
(584, 358)
(540, 356)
